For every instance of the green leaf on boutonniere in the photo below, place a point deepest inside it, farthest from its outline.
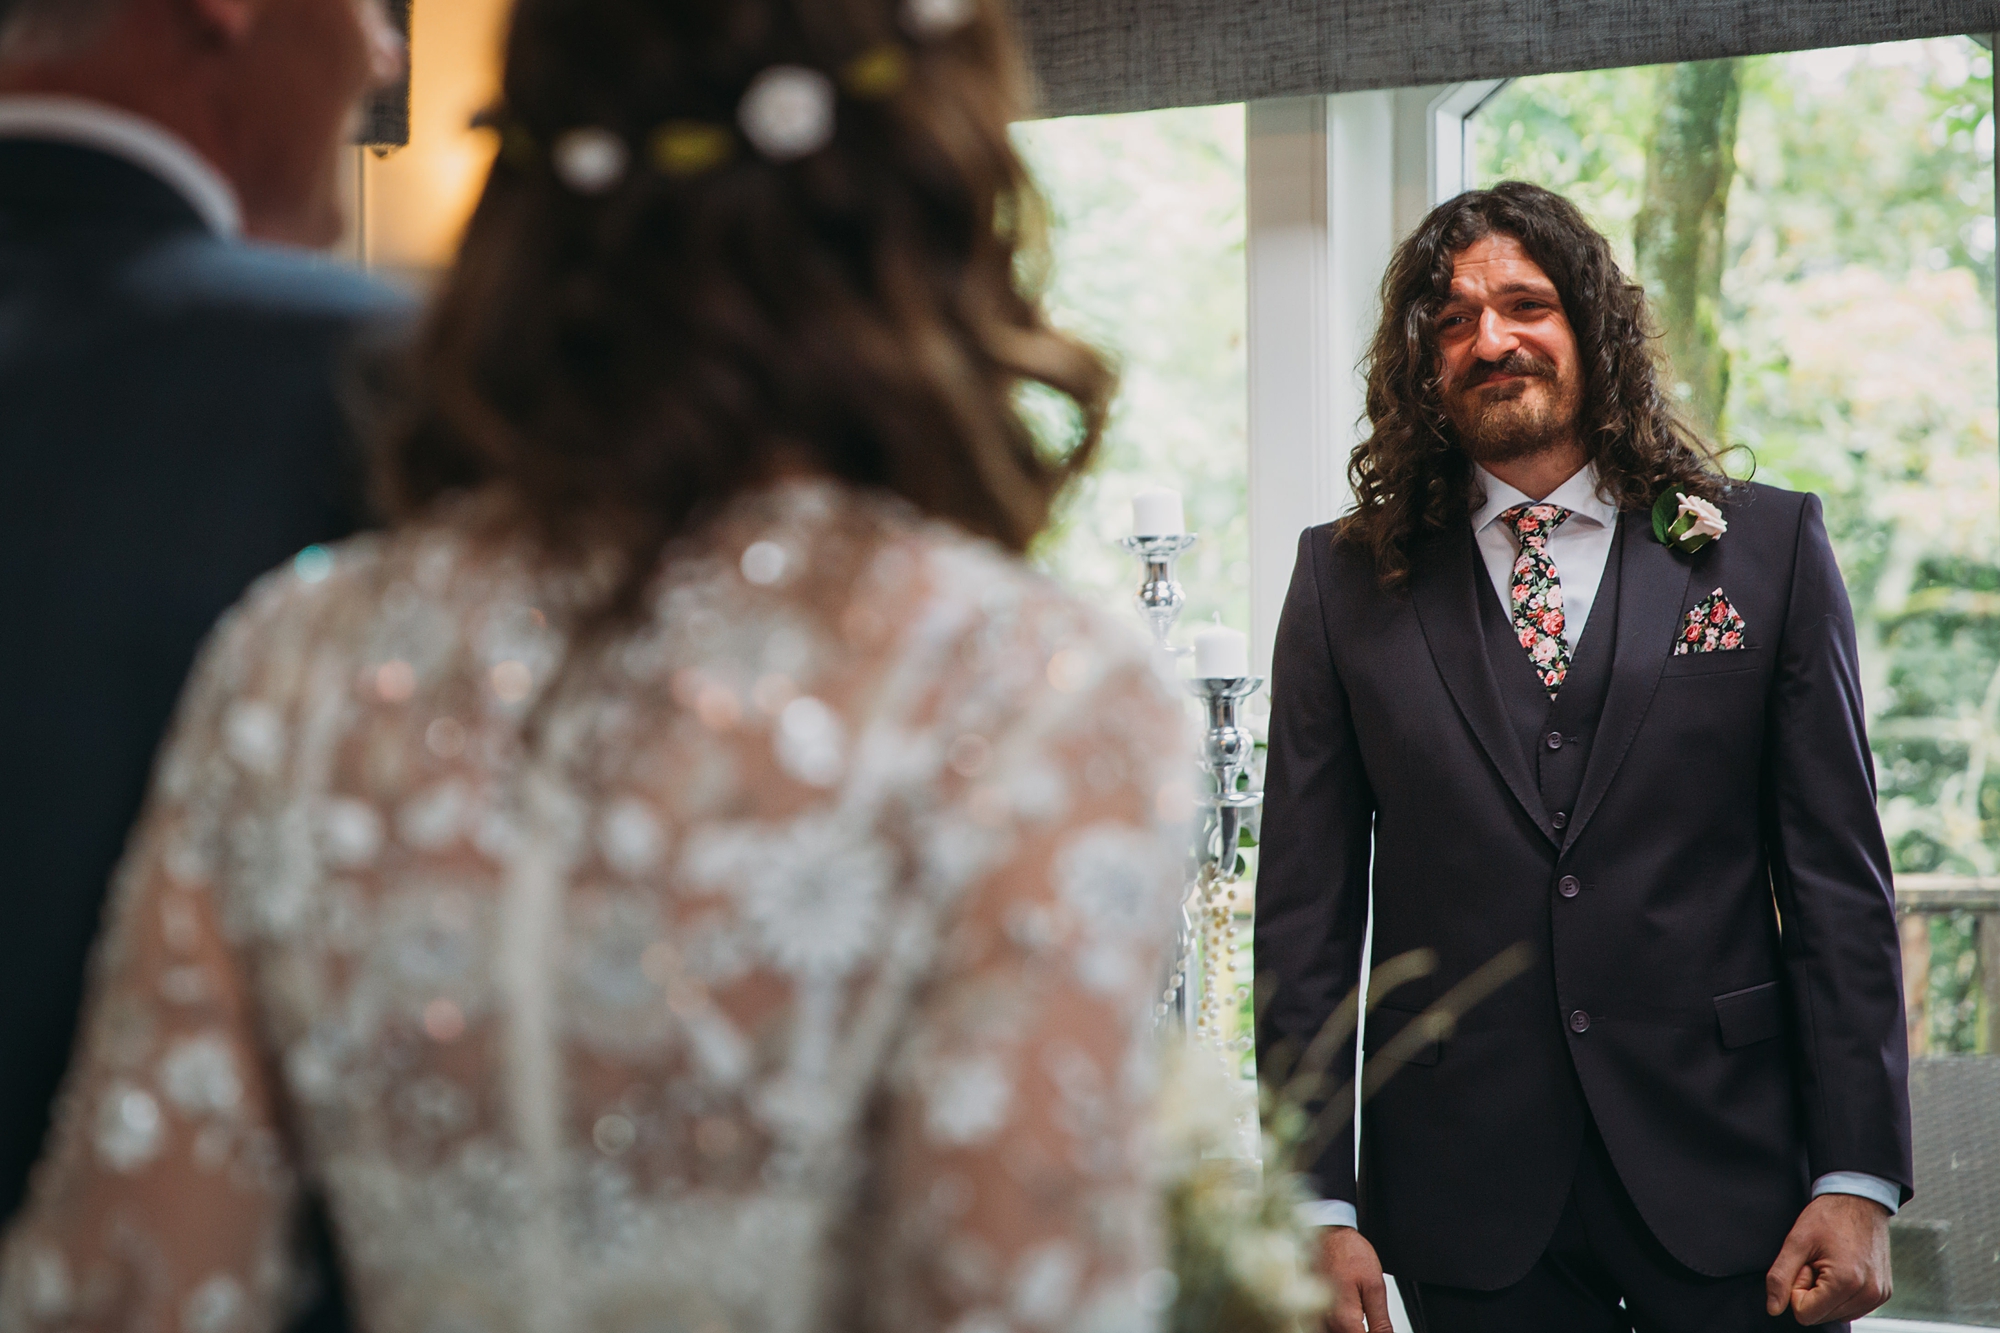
(1665, 510)
(1671, 526)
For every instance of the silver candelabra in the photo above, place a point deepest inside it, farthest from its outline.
(1160, 594)
(1198, 990)
(1227, 751)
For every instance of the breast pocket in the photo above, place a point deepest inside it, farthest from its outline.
(1723, 662)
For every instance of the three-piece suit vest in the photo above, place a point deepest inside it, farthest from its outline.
(1556, 735)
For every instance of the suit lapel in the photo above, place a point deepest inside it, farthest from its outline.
(1443, 585)
(1653, 584)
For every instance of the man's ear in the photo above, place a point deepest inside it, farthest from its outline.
(228, 22)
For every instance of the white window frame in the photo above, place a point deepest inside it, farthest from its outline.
(1332, 184)
(1450, 146)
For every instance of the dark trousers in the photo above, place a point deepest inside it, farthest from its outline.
(1602, 1273)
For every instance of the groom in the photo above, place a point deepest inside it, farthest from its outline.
(1514, 715)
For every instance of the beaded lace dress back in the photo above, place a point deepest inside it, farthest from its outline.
(793, 976)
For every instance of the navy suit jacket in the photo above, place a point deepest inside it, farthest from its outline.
(172, 424)
(1729, 936)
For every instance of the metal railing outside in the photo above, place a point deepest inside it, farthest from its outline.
(1946, 1242)
(1919, 899)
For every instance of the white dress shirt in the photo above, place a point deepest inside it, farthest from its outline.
(157, 151)
(1579, 548)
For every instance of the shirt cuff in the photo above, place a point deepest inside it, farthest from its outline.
(1859, 1183)
(1330, 1213)
(1337, 1213)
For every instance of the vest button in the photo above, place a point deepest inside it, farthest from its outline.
(1579, 1021)
(1569, 887)
(1555, 740)
(1560, 819)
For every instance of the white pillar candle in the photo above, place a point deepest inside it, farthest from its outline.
(1157, 513)
(1221, 653)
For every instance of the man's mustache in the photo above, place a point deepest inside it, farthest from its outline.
(1517, 362)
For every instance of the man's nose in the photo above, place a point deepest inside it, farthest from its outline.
(1496, 337)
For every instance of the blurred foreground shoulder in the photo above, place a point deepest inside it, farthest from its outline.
(203, 272)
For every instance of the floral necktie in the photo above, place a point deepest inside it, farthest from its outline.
(1536, 593)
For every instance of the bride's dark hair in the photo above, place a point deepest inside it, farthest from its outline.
(617, 365)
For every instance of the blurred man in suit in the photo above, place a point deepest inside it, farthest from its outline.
(171, 417)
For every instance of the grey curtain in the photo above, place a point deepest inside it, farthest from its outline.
(1093, 56)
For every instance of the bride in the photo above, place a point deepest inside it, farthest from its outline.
(688, 874)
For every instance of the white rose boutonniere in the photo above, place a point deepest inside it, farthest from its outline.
(1687, 522)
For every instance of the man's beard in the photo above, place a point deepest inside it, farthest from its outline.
(1512, 423)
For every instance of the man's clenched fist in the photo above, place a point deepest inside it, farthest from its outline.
(1835, 1264)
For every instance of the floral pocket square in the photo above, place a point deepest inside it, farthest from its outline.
(1712, 627)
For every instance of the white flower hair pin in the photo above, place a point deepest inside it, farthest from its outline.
(938, 18)
(786, 113)
(1687, 522)
(590, 160)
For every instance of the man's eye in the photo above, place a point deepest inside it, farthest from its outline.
(1449, 320)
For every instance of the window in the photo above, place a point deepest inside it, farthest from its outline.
(1146, 238)
(1839, 329)
(1147, 254)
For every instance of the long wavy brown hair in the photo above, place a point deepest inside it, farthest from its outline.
(1410, 477)
(615, 366)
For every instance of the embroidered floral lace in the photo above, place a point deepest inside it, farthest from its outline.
(794, 978)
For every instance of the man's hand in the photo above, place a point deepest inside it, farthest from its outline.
(1348, 1263)
(1835, 1264)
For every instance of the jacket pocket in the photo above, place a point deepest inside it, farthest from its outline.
(1386, 1027)
(1750, 1015)
(1720, 662)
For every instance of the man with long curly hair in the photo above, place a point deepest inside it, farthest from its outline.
(1583, 717)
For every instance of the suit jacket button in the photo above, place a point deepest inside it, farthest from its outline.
(1560, 819)
(1555, 740)
(1579, 1021)
(1568, 886)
